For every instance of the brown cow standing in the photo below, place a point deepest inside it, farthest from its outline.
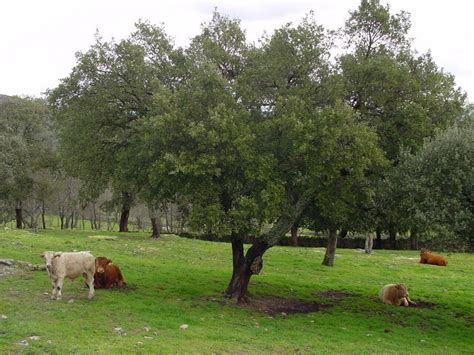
(427, 258)
(107, 274)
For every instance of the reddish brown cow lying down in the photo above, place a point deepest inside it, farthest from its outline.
(427, 258)
(107, 274)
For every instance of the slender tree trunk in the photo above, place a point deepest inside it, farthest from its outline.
(107, 220)
(19, 215)
(93, 216)
(378, 239)
(126, 205)
(171, 218)
(331, 248)
(61, 219)
(294, 235)
(392, 234)
(414, 239)
(76, 220)
(369, 243)
(167, 222)
(43, 220)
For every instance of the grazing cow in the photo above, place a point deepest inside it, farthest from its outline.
(427, 258)
(396, 294)
(71, 265)
(107, 274)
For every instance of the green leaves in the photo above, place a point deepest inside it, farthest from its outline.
(26, 144)
(435, 186)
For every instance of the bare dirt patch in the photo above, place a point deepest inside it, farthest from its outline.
(335, 294)
(423, 304)
(272, 305)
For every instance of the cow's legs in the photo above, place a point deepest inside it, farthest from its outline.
(53, 291)
(90, 282)
(59, 287)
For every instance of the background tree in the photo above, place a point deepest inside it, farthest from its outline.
(436, 188)
(27, 144)
(99, 108)
(404, 96)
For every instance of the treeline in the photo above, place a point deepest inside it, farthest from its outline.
(260, 139)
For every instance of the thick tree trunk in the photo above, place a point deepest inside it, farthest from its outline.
(155, 219)
(155, 227)
(414, 239)
(369, 243)
(125, 214)
(238, 259)
(294, 235)
(392, 235)
(378, 238)
(19, 215)
(331, 248)
(253, 262)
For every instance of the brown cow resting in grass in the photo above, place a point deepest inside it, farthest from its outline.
(107, 274)
(396, 294)
(427, 258)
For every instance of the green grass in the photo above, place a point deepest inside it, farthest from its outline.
(176, 281)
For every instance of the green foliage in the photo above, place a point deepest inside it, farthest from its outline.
(401, 94)
(176, 281)
(435, 187)
(241, 134)
(373, 29)
(26, 145)
(101, 106)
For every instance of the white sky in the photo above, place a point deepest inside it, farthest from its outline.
(38, 38)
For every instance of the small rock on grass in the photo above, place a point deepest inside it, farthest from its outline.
(120, 331)
(3, 316)
(34, 337)
(23, 343)
(184, 327)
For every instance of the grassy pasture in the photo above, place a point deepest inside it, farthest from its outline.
(176, 281)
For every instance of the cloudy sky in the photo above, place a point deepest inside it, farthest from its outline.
(38, 39)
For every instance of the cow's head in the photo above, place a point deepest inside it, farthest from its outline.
(49, 256)
(423, 251)
(100, 263)
(402, 290)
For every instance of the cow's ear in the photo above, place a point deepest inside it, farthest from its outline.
(56, 255)
(109, 261)
(42, 255)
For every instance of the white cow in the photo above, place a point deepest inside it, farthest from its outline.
(70, 265)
